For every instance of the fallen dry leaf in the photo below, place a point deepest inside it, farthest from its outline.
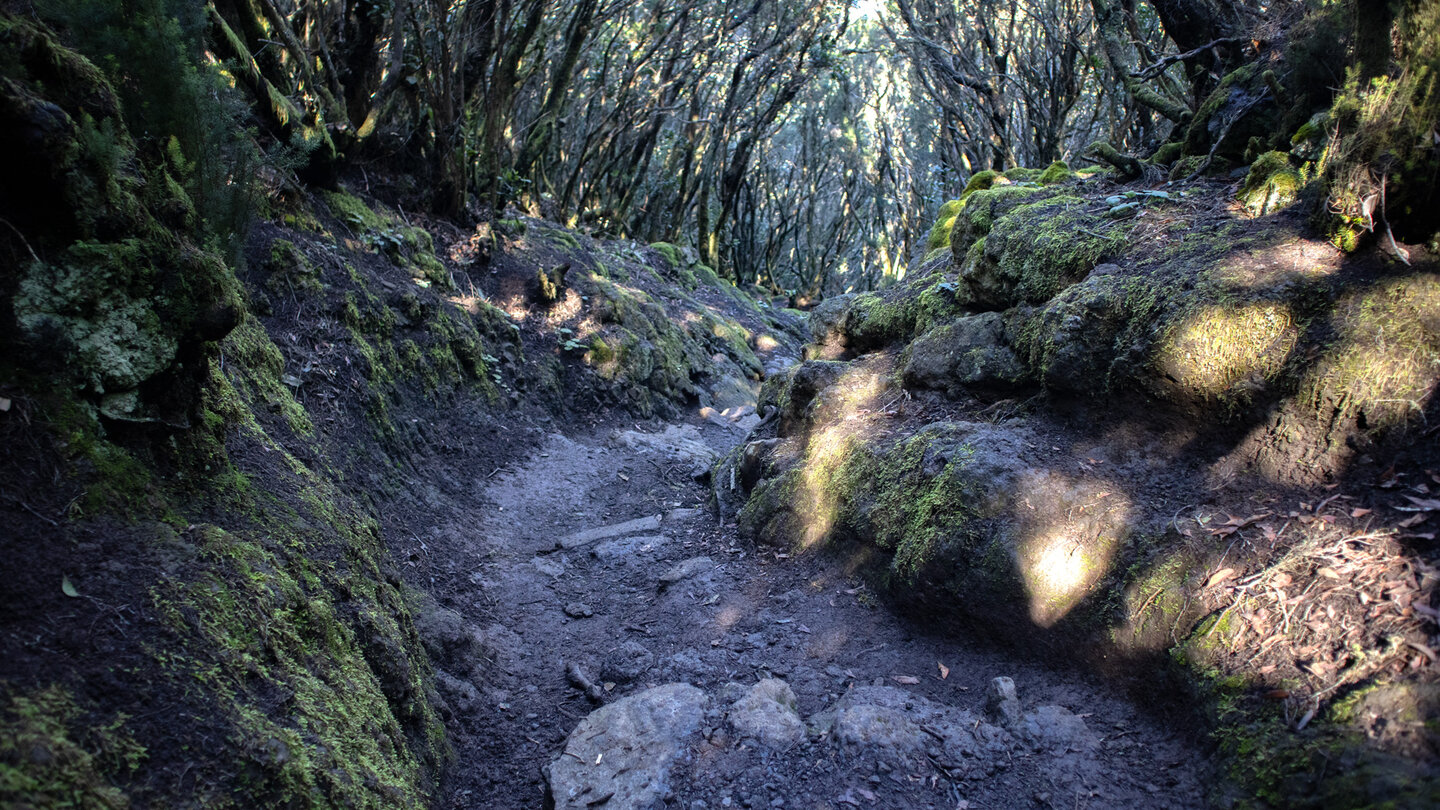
(1219, 577)
(908, 680)
(944, 670)
(1421, 504)
(1328, 572)
(1358, 512)
(1413, 520)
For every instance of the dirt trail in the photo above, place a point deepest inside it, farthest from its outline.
(579, 609)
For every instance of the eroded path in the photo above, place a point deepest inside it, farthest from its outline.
(590, 576)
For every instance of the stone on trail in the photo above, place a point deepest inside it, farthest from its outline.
(686, 569)
(627, 662)
(678, 444)
(579, 610)
(767, 714)
(549, 565)
(621, 754)
(629, 547)
(645, 524)
(1001, 702)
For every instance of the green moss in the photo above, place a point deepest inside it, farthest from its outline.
(1020, 174)
(262, 374)
(1038, 249)
(980, 211)
(1185, 166)
(1168, 153)
(53, 756)
(939, 237)
(351, 210)
(671, 253)
(1270, 185)
(982, 180)
(1384, 358)
(266, 617)
(1057, 172)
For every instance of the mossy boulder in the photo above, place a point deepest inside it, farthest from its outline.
(969, 352)
(1036, 250)
(958, 505)
(939, 236)
(1057, 172)
(1238, 109)
(123, 302)
(981, 210)
(1271, 184)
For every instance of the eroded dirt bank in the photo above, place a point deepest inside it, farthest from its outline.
(589, 573)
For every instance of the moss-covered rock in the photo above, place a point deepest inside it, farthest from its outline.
(125, 294)
(1057, 172)
(1035, 251)
(1271, 184)
(939, 236)
(982, 209)
(971, 351)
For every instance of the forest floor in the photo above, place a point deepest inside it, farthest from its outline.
(592, 561)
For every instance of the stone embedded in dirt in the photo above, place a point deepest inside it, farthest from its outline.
(767, 714)
(460, 695)
(1001, 703)
(549, 565)
(621, 754)
(685, 569)
(881, 730)
(678, 444)
(971, 351)
(450, 641)
(887, 724)
(629, 547)
(644, 524)
(682, 515)
(627, 662)
(1055, 728)
(579, 610)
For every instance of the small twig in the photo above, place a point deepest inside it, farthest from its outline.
(28, 508)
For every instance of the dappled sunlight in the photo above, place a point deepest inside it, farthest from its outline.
(1221, 351)
(1060, 569)
(1299, 260)
(765, 343)
(1069, 541)
(845, 411)
(728, 617)
(1387, 362)
(566, 309)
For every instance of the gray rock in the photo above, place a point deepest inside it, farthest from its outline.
(970, 351)
(621, 754)
(628, 548)
(887, 724)
(678, 444)
(549, 565)
(1055, 728)
(686, 569)
(636, 526)
(682, 515)
(883, 730)
(767, 714)
(627, 662)
(1001, 703)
